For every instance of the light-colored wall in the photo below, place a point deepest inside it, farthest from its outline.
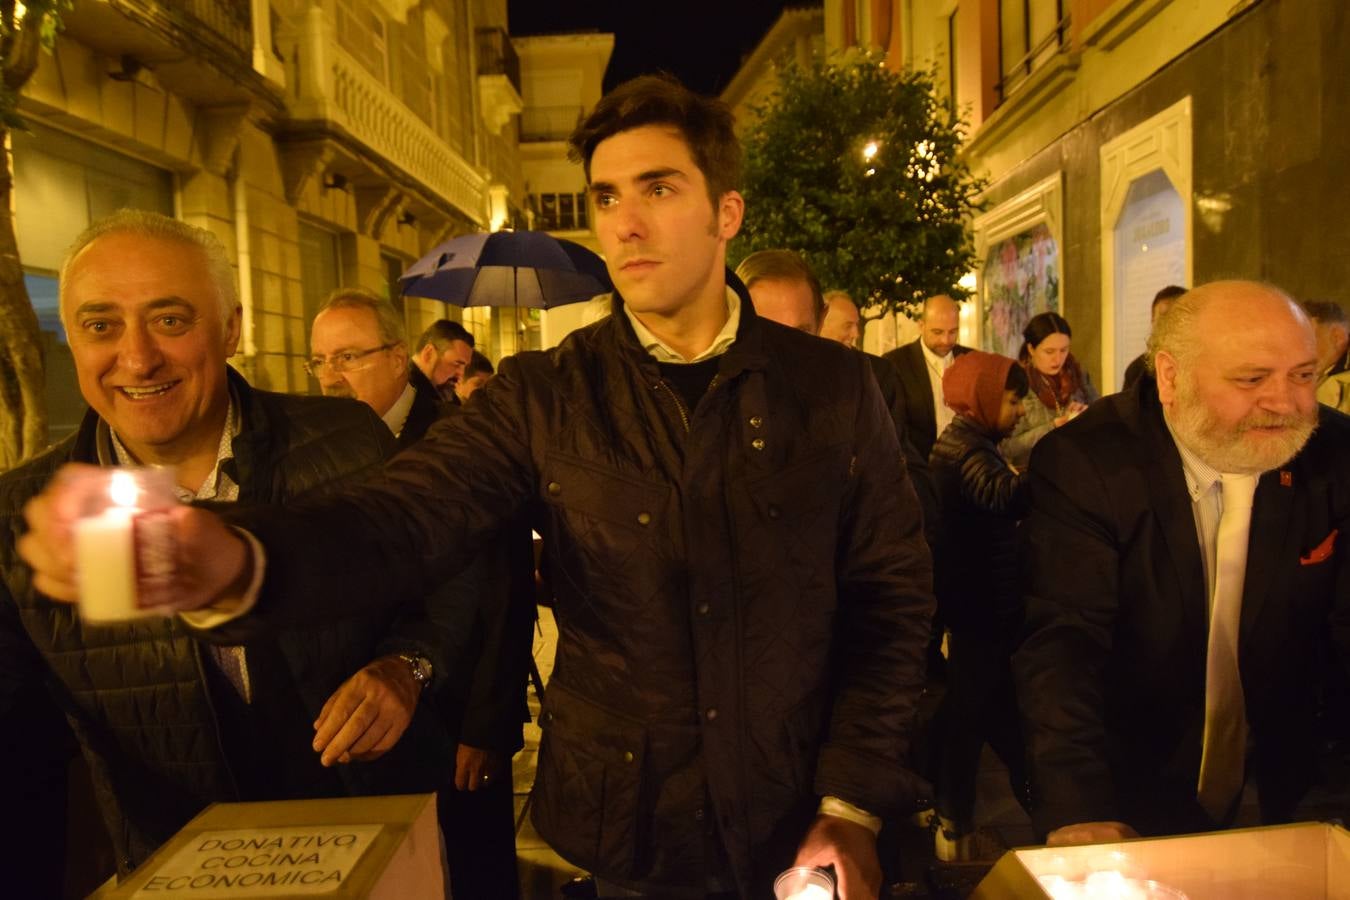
(235, 178)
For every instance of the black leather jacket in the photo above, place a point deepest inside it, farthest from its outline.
(976, 557)
(743, 590)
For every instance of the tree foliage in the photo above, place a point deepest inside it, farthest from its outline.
(25, 30)
(856, 167)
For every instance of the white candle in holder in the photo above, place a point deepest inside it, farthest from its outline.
(111, 544)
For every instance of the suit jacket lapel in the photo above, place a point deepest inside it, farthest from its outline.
(1271, 539)
(1171, 501)
(923, 386)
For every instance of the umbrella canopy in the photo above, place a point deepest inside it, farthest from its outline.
(507, 268)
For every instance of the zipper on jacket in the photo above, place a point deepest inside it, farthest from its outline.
(679, 404)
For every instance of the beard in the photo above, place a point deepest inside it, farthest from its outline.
(1237, 449)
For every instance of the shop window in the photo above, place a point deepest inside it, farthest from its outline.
(1021, 279)
(1150, 245)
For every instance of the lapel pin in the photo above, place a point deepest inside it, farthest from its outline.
(1286, 478)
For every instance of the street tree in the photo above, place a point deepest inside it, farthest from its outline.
(857, 168)
(26, 29)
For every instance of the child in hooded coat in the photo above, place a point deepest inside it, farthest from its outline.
(976, 578)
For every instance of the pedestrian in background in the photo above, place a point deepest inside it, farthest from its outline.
(1060, 388)
(976, 562)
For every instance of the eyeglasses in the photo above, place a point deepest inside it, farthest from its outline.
(346, 361)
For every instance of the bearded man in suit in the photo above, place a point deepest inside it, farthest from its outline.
(1187, 556)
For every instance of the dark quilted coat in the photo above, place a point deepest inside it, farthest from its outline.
(742, 590)
(135, 695)
(976, 557)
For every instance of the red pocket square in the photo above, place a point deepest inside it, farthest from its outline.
(1322, 552)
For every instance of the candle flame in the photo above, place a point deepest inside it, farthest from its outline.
(123, 490)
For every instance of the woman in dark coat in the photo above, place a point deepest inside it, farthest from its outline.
(976, 564)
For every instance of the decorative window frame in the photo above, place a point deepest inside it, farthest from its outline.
(1163, 141)
(1042, 203)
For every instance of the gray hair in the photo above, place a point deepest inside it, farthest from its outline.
(387, 319)
(144, 223)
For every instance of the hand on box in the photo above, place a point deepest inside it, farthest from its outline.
(1090, 833)
(367, 715)
(851, 849)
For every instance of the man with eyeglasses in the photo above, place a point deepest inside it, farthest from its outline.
(358, 351)
(167, 722)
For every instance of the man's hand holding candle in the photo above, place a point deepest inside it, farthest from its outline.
(212, 561)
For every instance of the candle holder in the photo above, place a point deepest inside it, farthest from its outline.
(124, 544)
(804, 883)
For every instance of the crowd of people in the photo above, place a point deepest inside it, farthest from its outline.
(761, 545)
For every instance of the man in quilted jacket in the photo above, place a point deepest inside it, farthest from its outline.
(741, 583)
(168, 723)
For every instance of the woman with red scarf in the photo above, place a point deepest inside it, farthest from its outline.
(1060, 389)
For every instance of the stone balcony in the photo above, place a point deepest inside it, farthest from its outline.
(334, 99)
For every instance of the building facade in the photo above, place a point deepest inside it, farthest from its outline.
(326, 142)
(1132, 144)
(563, 76)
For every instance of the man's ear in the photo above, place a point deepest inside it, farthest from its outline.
(730, 214)
(233, 327)
(1165, 368)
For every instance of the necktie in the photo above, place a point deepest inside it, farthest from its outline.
(1223, 758)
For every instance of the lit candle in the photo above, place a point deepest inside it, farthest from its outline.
(105, 550)
(804, 883)
(811, 892)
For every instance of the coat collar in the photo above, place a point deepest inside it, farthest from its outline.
(1272, 538)
(746, 353)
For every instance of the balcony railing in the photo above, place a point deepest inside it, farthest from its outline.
(549, 123)
(230, 19)
(559, 212)
(1021, 69)
(330, 84)
(497, 56)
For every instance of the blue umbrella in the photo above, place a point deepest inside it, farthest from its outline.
(507, 268)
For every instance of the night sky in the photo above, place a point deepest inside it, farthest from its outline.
(700, 41)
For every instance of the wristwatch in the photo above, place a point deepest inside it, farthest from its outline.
(420, 666)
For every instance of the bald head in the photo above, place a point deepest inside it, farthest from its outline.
(841, 319)
(941, 324)
(1236, 363)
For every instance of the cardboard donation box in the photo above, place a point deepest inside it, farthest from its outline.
(1288, 862)
(376, 847)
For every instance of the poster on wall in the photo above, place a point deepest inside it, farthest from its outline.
(1021, 279)
(1150, 254)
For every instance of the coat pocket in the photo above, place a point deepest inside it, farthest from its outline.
(588, 793)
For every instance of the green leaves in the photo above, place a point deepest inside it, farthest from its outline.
(856, 167)
(24, 29)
